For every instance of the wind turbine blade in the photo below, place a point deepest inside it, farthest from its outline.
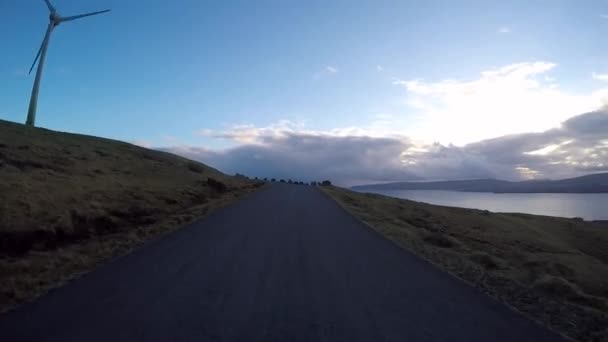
(38, 54)
(74, 17)
(48, 4)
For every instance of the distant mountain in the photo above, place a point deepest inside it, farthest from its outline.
(586, 184)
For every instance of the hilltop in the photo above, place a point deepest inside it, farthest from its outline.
(70, 201)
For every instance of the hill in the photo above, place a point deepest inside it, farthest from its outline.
(594, 183)
(69, 201)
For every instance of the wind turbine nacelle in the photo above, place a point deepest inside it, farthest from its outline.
(55, 18)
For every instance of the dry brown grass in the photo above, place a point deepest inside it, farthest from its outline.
(553, 270)
(68, 202)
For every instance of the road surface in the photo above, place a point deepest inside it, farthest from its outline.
(284, 264)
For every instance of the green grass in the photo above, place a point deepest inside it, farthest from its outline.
(70, 201)
(553, 270)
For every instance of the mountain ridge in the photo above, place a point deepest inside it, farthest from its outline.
(593, 183)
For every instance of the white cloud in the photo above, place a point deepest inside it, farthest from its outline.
(504, 30)
(348, 157)
(258, 135)
(605, 16)
(251, 134)
(511, 122)
(380, 68)
(600, 77)
(328, 70)
(516, 98)
(546, 150)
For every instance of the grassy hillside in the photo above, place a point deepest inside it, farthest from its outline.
(554, 270)
(68, 201)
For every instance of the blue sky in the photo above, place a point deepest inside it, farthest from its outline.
(169, 73)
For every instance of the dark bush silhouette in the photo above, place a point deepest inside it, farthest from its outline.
(216, 185)
(282, 181)
(265, 179)
(195, 167)
(326, 183)
(290, 181)
(273, 180)
(313, 183)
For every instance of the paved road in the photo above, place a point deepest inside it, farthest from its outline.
(284, 264)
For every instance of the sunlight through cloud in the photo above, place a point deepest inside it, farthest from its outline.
(516, 98)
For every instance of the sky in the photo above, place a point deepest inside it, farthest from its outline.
(352, 91)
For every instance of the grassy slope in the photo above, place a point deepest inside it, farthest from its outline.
(70, 201)
(554, 270)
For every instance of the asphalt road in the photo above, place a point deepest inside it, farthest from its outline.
(284, 264)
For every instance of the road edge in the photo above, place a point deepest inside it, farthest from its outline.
(441, 269)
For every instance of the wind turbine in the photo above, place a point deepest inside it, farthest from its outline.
(54, 20)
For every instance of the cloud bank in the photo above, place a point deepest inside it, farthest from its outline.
(578, 146)
(515, 98)
(511, 122)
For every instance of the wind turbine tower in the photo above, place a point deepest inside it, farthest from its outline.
(54, 20)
